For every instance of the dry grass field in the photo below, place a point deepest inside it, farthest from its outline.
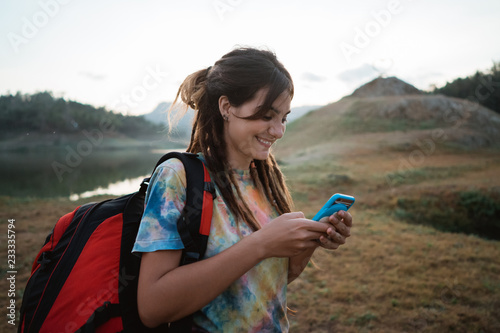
(393, 275)
(400, 271)
(403, 269)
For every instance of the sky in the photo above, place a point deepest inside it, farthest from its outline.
(130, 55)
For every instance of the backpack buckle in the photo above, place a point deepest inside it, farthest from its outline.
(190, 257)
(210, 187)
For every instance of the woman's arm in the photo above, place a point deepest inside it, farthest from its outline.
(168, 292)
(298, 263)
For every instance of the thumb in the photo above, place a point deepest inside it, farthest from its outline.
(294, 215)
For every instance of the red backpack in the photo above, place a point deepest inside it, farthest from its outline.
(84, 279)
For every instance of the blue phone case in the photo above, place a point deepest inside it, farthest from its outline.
(337, 202)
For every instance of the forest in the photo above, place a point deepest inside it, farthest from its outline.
(482, 87)
(43, 113)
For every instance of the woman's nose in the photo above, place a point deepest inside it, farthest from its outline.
(277, 129)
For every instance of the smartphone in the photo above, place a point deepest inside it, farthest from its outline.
(337, 202)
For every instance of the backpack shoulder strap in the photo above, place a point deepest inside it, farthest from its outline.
(194, 223)
(196, 218)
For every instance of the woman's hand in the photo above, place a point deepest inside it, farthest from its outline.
(290, 234)
(340, 228)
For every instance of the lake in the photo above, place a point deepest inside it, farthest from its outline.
(62, 173)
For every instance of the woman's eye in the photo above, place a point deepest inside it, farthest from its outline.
(267, 118)
(284, 120)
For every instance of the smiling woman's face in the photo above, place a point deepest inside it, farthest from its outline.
(247, 140)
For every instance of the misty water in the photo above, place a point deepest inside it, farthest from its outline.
(59, 174)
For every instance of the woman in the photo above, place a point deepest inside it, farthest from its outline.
(256, 244)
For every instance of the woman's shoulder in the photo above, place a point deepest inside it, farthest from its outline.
(176, 164)
(171, 169)
(173, 164)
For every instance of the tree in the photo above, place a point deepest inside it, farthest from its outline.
(484, 87)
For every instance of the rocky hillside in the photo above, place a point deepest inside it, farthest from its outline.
(392, 112)
(390, 86)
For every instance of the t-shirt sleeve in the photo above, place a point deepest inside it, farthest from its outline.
(165, 200)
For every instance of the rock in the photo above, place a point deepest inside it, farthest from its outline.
(390, 86)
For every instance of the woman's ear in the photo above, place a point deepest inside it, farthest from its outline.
(224, 106)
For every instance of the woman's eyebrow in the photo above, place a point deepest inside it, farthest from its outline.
(278, 112)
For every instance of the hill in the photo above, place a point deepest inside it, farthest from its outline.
(41, 120)
(390, 86)
(399, 113)
(403, 147)
(424, 251)
(159, 116)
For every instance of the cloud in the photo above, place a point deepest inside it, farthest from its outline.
(311, 77)
(361, 73)
(92, 76)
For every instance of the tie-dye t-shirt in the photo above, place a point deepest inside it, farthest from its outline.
(256, 302)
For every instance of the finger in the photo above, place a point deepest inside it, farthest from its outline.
(337, 235)
(295, 215)
(338, 238)
(325, 219)
(314, 226)
(327, 243)
(346, 218)
(341, 217)
(312, 235)
(343, 229)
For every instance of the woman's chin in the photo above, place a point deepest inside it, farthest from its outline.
(262, 156)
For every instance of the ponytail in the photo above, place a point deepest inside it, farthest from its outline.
(192, 93)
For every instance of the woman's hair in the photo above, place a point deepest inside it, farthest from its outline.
(238, 75)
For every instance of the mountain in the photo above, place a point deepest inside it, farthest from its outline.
(390, 86)
(392, 112)
(419, 158)
(299, 111)
(159, 116)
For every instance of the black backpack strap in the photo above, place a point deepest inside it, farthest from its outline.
(100, 316)
(195, 220)
(194, 224)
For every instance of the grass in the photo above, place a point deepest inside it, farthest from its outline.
(393, 277)
(397, 272)
(471, 212)
(352, 123)
(418, 175)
